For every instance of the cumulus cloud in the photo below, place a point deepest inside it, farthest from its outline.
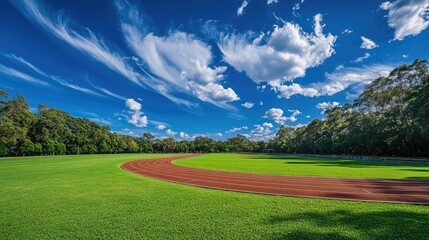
(170, 132)
(133, 104)
(184, 135)
(160, 126)
(272, 1)
(179, 60)
(360, 59)
(236, 129)
(284, 54)
(367, 43)
(218, 134)
(261, 132)
(248, 104)
(276, 114)
(240, 10)
(137, 118)
(326, 105)
(407, 18)
(268, 125)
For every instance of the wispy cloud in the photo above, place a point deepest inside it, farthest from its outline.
(360, 59)
(57, 79)
(338, 80)
(20, 75)
(92, 46)
(408, 18)
(179, 61)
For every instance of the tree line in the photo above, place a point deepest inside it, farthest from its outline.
(51, 131)
(389, 118)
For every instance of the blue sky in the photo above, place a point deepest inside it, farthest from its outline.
(216, 68)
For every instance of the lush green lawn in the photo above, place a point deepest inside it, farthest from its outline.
(300, 166)
(82, 197)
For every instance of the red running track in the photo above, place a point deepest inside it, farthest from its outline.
(398, 191)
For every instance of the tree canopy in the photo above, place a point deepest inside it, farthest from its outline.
(390, 117)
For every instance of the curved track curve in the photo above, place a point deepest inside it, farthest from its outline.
(380, 190)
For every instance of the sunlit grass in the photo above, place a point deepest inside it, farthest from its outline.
(87, 197)
(300, 166)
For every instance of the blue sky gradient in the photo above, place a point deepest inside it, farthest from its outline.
(187, 68)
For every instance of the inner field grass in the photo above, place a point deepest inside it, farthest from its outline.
(81, 197)
(302, 166)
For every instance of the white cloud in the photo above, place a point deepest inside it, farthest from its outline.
(183, 135)
(326, 105)
(267, 125)
(248, 104)
(240, 10)
(347, 31)
(405, 55)
(287, 91)
(276, 114)
(367, 43)
(133, 104)
(170, 132)
(261, 132)
(17, 74)
(284, 55)
(160, 126)
(236, 129)
(407, 18)
(296, 7)
(112, 94)
(218, 134)
(179, 61)
(341, 79)
(90, 45)
(137, 118)
(97, 49)
(261, 103)
(337, 81)
(272, 1)
(360, 59)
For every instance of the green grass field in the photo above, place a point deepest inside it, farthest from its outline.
(82, 197)
(300, 166)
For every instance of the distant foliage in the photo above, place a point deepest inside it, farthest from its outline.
(390, 117)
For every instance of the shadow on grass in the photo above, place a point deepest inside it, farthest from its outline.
(417, 170)
(418, 178)
(350, 163)
(345, 224)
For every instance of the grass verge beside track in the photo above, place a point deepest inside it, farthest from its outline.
(75, 197)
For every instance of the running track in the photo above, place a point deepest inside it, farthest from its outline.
(398, 191)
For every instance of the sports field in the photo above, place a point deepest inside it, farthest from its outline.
(92, 197)
(302, 166)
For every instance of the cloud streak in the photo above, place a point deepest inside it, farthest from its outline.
(178, 61)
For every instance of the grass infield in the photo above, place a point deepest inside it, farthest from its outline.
(302, 166)
(90, 196)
